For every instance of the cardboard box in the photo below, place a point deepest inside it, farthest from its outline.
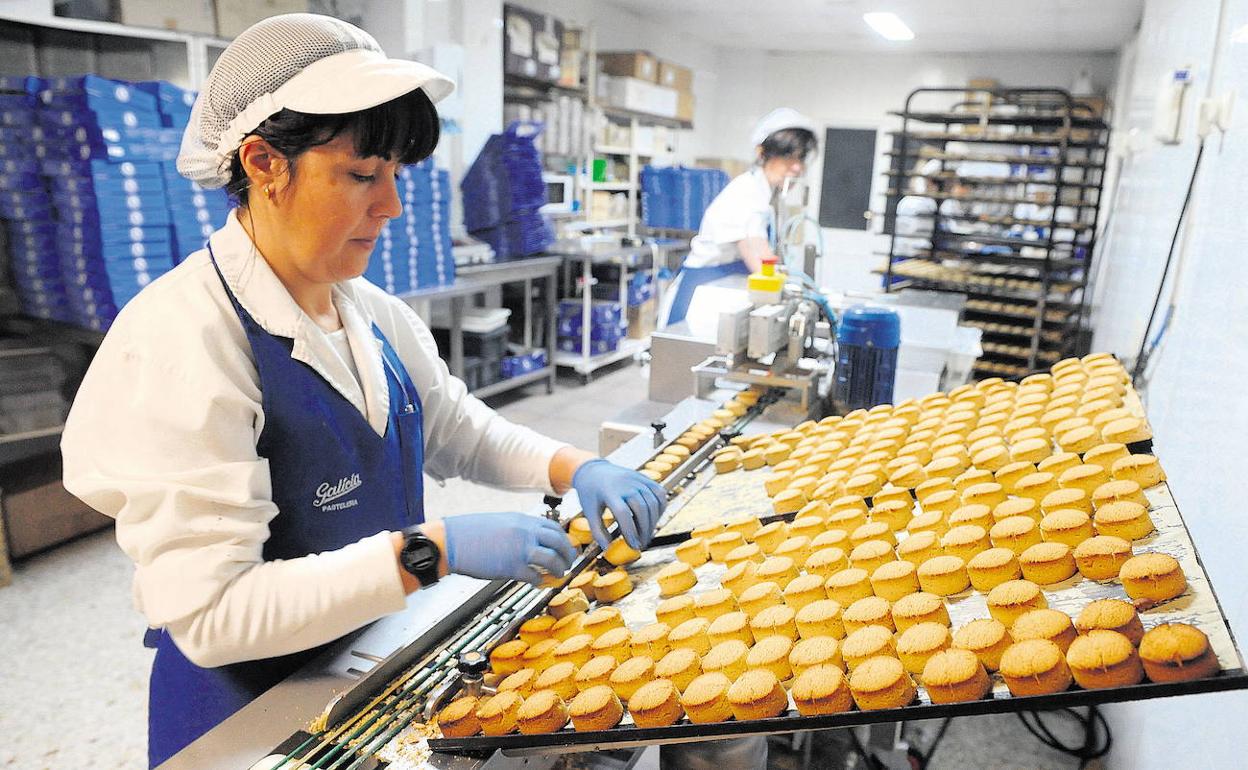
(192, 16)
(234, 16)
(733, 167)
(570, 67)
(630, 64)
(638, 95)
(684, 105)
(642, 319)
(1090, 106)
(979, 97)
(675, 76)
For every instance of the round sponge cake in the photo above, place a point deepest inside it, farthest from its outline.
(881, 683)
(1153, 576)
(597, 708)
(1176, 652)
(757, 694)
(1102, 658)
(656, 704)
(1035, 667)
(986, 638)
(1047, 624)
(822, 690)
(459, 718)
(1101, 557)
(542, 712)
(954, 676)
(1111, 615)
(705, 700)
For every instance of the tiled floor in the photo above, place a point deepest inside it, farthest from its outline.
(73, 672)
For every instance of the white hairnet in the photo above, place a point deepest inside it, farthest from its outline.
(300, 61)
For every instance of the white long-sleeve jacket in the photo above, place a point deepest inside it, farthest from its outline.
(162, 437)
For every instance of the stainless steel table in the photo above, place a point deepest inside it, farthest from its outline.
(476, 279)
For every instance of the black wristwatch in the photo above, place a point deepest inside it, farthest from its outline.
(420, 556)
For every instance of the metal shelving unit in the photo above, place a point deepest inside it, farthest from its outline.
(1019, 243)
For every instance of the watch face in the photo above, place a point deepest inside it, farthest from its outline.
(420, 555)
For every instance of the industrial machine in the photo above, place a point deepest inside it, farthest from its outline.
(779, 335)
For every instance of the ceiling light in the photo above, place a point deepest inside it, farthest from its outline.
(888, 25)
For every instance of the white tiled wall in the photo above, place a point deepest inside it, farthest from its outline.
(1196, 397)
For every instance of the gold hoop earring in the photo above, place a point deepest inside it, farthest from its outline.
(268, 191)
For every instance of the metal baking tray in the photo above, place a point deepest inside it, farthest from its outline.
(715, 497)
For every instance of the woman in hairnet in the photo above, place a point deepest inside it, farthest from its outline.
(737, 231)
(258, 419)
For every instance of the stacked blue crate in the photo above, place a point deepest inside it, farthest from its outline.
(101, 144)
(173, 103)
(426, 195)
(26, 206)
(388, 265)
(607, 326)
(414, 250)
(675, 198)
(194, 211)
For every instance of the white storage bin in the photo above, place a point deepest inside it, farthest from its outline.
(911, 383)
(962, 357)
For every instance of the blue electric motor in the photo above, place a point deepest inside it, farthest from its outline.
(866, 361)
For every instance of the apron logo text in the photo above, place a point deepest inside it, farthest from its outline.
(327, 493)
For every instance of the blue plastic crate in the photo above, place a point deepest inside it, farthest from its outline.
(596, 347)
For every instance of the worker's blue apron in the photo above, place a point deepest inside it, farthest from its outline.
(335, 481)
(690, 279)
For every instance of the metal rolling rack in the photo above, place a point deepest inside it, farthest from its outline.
(1026, 277)
(643, 257)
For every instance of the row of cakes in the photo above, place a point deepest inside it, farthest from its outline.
(675, 453)
(768, 647)
(730, 655)
(549, 647)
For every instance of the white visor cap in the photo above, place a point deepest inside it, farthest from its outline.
(299, 61)
(778, 120)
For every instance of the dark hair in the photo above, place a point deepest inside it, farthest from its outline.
(404, 129)
(790, 143)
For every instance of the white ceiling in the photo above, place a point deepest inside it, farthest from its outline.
(952, 26)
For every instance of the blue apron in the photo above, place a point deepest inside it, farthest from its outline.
(691, 278)
(335, 481)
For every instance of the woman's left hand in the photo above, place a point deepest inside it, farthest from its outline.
(634, 500)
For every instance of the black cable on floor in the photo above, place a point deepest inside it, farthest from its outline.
(1141, 358)
(1093, 746)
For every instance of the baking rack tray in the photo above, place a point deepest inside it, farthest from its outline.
(718, 497)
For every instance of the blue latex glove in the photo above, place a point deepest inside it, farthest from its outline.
(634, 500)
(495, 546)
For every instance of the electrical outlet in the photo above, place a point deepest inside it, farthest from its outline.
(1168, 107)
(1215, 114)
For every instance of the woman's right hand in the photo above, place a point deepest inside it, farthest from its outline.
(495, 546)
